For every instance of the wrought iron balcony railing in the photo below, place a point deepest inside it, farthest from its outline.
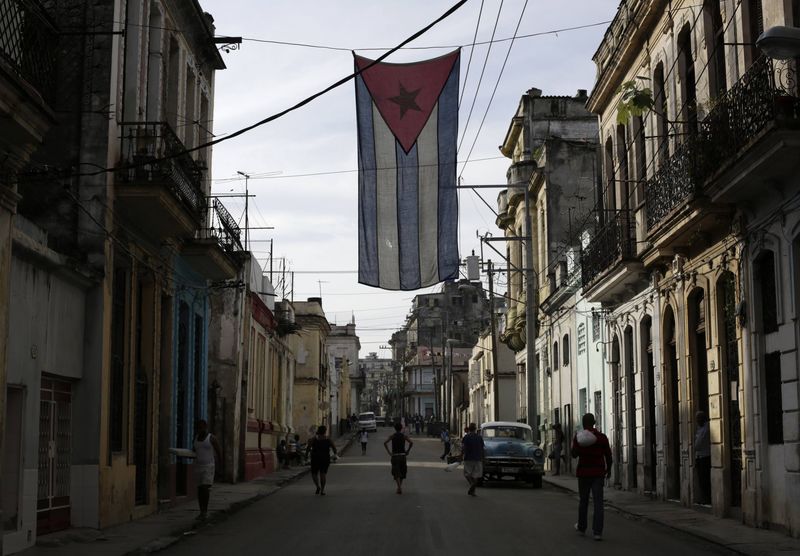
(28, 42)
(673, 183)
(612, 244)
(223, 228)
(767, 94)
(152, 153)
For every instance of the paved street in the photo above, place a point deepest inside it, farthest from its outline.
(362, 515)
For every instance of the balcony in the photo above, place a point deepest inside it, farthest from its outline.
(752, 133)
(159, 185)
(28, 42)
(212, 253)
(744, 144)
(609, 266)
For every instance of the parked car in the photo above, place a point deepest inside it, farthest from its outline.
(510, 452)
(380, 420)
(366, 421)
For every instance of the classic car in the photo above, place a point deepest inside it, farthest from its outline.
(510, 452)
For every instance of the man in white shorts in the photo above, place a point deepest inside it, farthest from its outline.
(472, 455)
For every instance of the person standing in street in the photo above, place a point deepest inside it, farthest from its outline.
(364, 438)
(398, 455)
(702, 457)
(206, 447)
(558, 446)
(593, 451)
(320, 447)
(446, 442)
(472, 456)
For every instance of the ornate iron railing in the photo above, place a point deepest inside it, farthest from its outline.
(672, 184)
(28, 42)
(223, 228)
(151, 152)
(612, 243)
(765, 95)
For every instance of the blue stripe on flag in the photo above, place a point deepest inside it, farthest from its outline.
(408, 216)
(367, 189)
(448, 197)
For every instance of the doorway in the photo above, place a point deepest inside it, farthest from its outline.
(649, 401)
(672, 409)
(12, 457)
(616, 410)
(54, 465)
(630, 406)
(726, 295)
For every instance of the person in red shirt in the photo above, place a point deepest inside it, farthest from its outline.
(592, 449)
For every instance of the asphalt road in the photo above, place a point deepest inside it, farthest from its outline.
(362, 515)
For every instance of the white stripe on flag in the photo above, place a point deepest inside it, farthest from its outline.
(428, 152)
(388, 243)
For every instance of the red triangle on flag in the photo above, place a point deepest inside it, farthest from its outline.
(405, 94)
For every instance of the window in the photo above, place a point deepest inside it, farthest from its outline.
(565, 347)
(660, 100)
(754, 27)
(622, 164)
(640, 157)
(555, 356)
(596, 318)
(598, 410)
(765, 279)
(582, 401)
(688, 112)
(608, 162)
(581, 339)
(715, 46)
(772, 372)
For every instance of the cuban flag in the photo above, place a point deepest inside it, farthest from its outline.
(407, 198)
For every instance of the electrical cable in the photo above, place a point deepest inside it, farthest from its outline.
(480, 80)
(471, 52)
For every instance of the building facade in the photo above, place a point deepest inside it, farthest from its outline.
(344, 347)
(311, 395)
(116, 248)
(692, 250)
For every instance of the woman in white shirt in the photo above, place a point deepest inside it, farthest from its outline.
(206, 447)
(364, 439)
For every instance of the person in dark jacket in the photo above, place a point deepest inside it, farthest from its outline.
(593, 451)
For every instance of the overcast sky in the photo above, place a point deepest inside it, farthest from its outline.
(315, 216)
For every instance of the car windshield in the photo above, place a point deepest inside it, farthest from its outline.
(508, 432)
(366, 417)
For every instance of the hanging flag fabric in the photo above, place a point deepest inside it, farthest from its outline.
(407, 199)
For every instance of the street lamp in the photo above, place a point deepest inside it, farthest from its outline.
(780, 43)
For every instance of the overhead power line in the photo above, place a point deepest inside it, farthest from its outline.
(290, 109)
(430, 47)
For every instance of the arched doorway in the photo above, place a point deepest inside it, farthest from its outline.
(672, 439)
(729, 365)
(698, 355)
(616, 410)
(649, 404)
(630, 409)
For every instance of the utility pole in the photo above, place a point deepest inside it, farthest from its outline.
(493, 320)
(246, 210)
(531, 309)
(270, 262)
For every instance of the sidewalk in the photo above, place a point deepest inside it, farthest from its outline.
(728, 533)
(161, 530)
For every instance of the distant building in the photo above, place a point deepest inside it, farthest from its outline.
(343, 347)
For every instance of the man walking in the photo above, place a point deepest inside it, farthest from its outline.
(446, 442)
(592, 449)
(398, 455)
(472, 456)
(702, 458)
(364, 439)
(320, 447)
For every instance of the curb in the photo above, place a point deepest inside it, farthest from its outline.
(622, 510)
(181, 533)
